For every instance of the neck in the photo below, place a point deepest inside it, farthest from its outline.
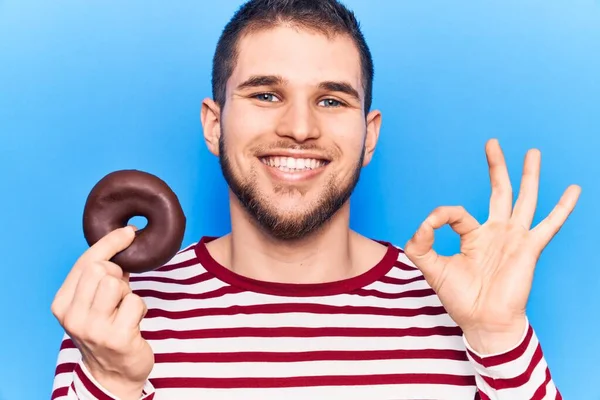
(327, 255)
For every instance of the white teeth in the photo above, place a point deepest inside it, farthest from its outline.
(290, 164)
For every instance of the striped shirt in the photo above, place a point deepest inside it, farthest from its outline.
(381, 335)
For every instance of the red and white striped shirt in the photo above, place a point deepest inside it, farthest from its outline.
(380, 335)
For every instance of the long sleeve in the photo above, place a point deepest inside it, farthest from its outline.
(72, 380)
(518, 374)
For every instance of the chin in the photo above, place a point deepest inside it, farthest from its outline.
(292, 210)
(293, 198)
(291, 206)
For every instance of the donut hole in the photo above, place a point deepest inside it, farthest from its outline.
(138, 221)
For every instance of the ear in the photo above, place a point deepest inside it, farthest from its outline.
(210, 117)
(373, 127)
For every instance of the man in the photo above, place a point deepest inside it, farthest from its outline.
(292, 303)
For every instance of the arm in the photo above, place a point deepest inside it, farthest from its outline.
(72, 380)
(519, 373)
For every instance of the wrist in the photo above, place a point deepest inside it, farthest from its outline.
(116, 385)
(122, 390)
(488, 341)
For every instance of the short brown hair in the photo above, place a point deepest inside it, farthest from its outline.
(329, 17)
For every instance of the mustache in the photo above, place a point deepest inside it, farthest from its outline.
(288, 144)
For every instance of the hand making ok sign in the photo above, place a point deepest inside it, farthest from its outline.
(485, 287)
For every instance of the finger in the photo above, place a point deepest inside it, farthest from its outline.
(524, 210)
(86, 288)
(501, 197)
(111, 290)
(131, 312)
(419, 250)
(104, 249)
(64, 297)
(549, 227)
(457, 217)
(109, 245)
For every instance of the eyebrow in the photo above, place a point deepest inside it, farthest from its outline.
(261, 80)
(342, 87)
(276, 80)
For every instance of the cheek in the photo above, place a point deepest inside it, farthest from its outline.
(248, 120)
(344, 124)
(240, 133)
(349, 135)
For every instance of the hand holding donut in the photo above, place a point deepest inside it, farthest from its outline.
(95, 305)
(98, 310)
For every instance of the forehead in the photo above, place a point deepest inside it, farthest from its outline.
(301, 56)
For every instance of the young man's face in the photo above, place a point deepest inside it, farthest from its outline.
(293, 136)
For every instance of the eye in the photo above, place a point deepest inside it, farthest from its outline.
(268, 97)
(331, 103)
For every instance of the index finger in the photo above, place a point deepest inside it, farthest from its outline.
(109, 245)
(457, 217)
(103, 250)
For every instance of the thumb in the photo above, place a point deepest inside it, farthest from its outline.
(419, 250)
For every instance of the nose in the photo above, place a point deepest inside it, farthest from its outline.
(298, 122)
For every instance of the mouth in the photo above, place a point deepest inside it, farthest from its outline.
(294, 164)
(294, 168)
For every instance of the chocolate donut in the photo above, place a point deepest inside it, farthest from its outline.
(124, 194)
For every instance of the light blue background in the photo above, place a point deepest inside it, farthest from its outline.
(90, 87)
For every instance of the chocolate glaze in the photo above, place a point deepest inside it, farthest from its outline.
(124, 194)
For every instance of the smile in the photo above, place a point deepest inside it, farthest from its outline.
(293, 169)
(292, 164)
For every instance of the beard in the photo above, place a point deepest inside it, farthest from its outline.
(288, 226)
